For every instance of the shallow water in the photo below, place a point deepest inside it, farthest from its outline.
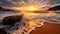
(49, 19)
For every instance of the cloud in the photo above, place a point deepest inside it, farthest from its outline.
(7, 3)
(15, 3)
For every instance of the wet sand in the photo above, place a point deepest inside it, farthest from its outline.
(48, 28)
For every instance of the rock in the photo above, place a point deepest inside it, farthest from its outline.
(10, 20)
(54, 8)
(2, 31)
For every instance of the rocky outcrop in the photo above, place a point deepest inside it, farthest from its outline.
(4, 9)
(10, 20)
(55, 8)
(2, 31)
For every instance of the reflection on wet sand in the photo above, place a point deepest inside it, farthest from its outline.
(48, 28)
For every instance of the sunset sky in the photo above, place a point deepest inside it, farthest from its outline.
(15, 3)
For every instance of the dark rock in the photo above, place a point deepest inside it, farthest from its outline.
(55, 8)
(10, 20)
(2, 31)
(5, 9)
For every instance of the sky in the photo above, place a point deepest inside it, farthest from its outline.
(15, 3)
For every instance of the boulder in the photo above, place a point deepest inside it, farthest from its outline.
(54, 8)
(10, 20)
(2, 31)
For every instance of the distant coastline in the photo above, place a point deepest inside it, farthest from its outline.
(8, 10)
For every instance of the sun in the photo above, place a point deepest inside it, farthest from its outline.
(32, 8)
